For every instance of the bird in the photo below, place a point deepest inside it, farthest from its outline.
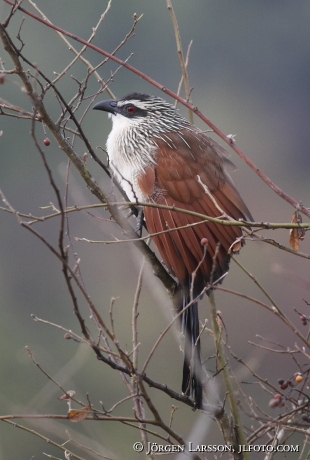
(159, 157)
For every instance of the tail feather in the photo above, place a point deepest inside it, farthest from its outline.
(192, 368)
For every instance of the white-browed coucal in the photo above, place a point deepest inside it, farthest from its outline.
(159, 157)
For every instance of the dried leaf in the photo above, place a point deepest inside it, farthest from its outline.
(77, 415)
(296, 234)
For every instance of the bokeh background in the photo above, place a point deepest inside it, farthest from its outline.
(250, 72)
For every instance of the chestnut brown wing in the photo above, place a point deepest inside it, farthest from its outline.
(190, 174)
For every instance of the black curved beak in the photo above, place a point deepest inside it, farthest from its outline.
(107, 106)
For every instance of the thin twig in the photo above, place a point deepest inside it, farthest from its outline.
(237, 437)
(39, 435)
(79, 53)
(180, 56)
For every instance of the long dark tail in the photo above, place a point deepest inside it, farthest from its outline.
(192, 369)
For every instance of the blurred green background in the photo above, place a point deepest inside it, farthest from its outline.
(250, 72)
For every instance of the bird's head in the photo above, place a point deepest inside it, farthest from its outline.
(132, 105)
(136, 108)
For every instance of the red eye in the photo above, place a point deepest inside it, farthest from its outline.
(130, 109)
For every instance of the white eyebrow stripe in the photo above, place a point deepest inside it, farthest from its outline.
(140, 104)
